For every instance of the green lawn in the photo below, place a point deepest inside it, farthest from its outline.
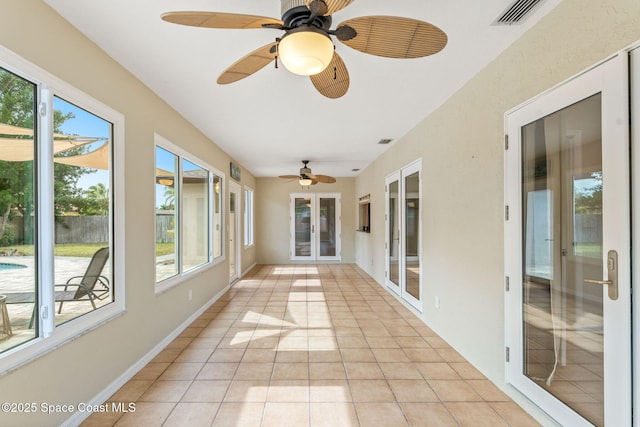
(82, 249)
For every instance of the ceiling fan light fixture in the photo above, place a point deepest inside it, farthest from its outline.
(305, 182)
(305, 52)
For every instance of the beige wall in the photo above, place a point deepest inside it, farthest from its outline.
(273, 211)
(461, 147)
(80, 369)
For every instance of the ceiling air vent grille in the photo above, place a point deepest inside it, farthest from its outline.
(516, 12)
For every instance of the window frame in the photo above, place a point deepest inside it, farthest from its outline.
(248, 217)
(182, 275)
(48, 336)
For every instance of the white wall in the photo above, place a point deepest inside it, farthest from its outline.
(462, 146)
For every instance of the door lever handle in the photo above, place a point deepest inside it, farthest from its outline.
(612, 270)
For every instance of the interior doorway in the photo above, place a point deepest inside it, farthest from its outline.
(234, 232)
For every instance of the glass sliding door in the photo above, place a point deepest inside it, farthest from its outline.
(570, 309)
(315, 226)
(234, 232)
(393, 232)
(403, 237)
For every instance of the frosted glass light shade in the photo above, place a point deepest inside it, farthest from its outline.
(305, 182)
(305, 52)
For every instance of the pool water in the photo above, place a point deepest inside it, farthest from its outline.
(9, 266)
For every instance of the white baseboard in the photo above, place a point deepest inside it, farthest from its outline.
(244, 273)
(100, 398)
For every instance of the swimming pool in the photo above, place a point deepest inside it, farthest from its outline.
(10, 266)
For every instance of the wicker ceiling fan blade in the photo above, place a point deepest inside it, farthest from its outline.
(219, 20)
(249, 64)
(333, 82)
(333, 5)
(323, 178)
(289, 177)
(395, 37)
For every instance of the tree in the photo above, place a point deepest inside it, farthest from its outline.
(95, 200)
(589, 200)
(17, 108)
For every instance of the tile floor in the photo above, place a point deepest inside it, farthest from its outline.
(307, 345)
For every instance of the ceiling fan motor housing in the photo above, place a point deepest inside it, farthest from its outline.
(295, 13)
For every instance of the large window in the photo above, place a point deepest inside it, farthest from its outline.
(58, 211)
(248, 217)
(188, 213)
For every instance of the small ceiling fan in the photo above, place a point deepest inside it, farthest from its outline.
(306, 178)
(306, 47)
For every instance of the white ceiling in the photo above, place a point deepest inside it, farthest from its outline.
(273, 119)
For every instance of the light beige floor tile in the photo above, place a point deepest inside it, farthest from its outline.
(288, 391)
(454, 391)
(325, 356)
(390, 355)
(279, 414)
(428, 414)
(475, 414)
(255, 355)
(226, 355)
(329, 391)
(513, 414)
(380, 415)
(292, 356)
(488, 391)
(327, 371)
(371, 391)
(400, 371)
(152, 371)
(253, 371)
(217, 371)
(165, 391)
(363, 371)
(192, 414)
(412, 391)
(437, 371)
(181, 371)
(467, 371)
(247, 391)
(146, 414)
(333, 415)
(131, 391)
(357, 355)
(243, 414)
(206, 391)
(382, 342)
(290, 371)
(423, 355)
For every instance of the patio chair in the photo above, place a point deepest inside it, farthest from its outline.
(91, 285)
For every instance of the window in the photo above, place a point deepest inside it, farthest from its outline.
(60, 211)
(248, 217)
(188, 213)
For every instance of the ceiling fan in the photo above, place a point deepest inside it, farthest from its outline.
(306, 47)
(306, 178)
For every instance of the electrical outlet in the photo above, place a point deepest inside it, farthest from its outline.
(436, 302)
(190, 294)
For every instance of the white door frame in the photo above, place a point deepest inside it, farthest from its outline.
(611, 79)
(315, 226)
(391, 236)
(235, 232)
(401, 212)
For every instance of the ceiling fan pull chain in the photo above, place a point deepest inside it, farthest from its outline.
(335, 73)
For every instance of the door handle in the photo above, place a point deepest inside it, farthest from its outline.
(313, 228)
(612, 273)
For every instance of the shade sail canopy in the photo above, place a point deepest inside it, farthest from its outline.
(20, 147)
(96, 159)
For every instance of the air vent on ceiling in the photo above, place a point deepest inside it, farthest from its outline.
(516, 12)
(384, 141)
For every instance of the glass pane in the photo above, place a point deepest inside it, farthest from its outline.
(394, 234)
(562, 211)
(82, 183)
(217, 216)
(303, 226)
(195, 215)
(232, 234)
(17, 206)
(412, 234)
(166, 214)
(327, 227)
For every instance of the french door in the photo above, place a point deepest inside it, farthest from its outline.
(403, 236)
(315, 226)
(234, 232)
(568, 250)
